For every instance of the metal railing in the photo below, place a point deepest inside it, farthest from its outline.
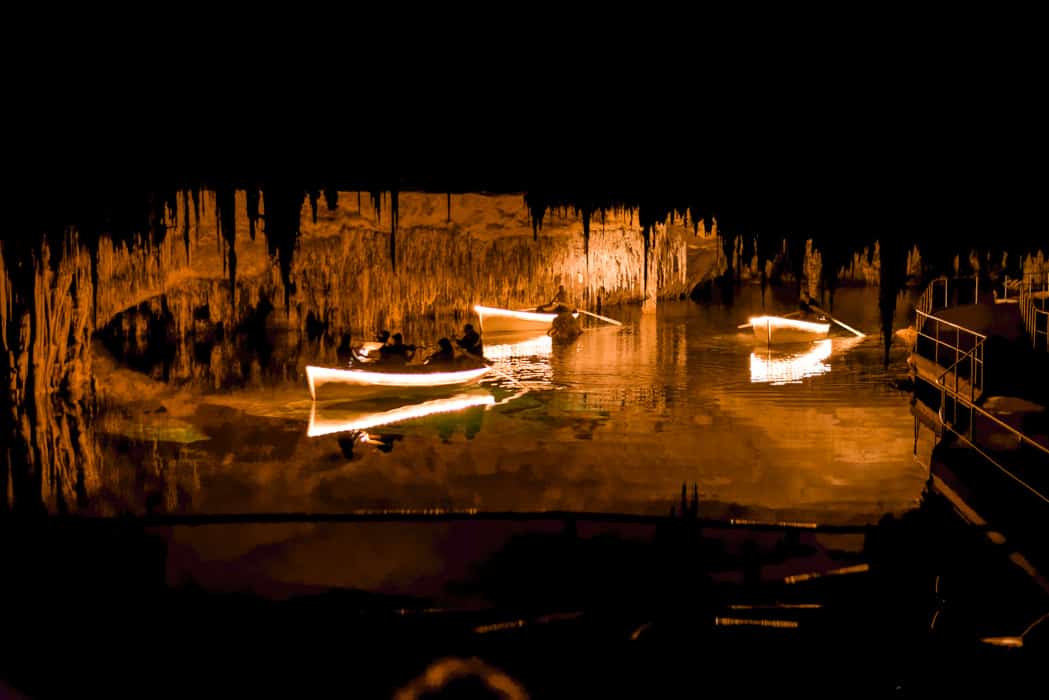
(973, 362)
(929, 298)
(938, 293)
(963, 358)
(1016, 284)
(1035, 319)
(966, 357)
(965, 340)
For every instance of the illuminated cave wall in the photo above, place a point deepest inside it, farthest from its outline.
(441, 261)
(451, 253)
(352, 268)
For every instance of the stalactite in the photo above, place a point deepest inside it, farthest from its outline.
(226, 218)
(393, 229)
(283, 210)
(536, 210)
(252, 205)
(646, 235)
(185, 222)
(314, 194)
(892, 278)
(377, 204)
(331, 198)
(196, 205)
(586, 234)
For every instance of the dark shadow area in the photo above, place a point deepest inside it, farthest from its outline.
(574, 609)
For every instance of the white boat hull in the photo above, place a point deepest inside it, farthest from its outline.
(774, 330)
(495, 320)
(317, 377)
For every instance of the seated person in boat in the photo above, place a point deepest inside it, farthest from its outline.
(809, 310)
(445, 354)
(565, 327)
(396, 352)
(367, 351)
(556, 305)
(471, 341)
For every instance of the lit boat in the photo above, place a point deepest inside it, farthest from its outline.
(509, 321)
(334, 420)
(777, 329)
(416, 377)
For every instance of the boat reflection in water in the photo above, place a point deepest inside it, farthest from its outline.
(339, 418)
(776, 367)
(523, 356)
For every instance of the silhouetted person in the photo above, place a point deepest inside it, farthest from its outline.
(347, 443)
(565, 327)
(372, 351)
(397, 352)
(444, 355)
(471, 341)
(558, 303)
(383, 443)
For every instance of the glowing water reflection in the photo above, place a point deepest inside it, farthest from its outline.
(613, 422)
(526, 357)
(789, 368)
(329, 420)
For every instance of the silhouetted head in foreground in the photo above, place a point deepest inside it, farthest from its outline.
(461, 678)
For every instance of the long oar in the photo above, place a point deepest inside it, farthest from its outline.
(846, 327)
(606, 319)
(748, 325)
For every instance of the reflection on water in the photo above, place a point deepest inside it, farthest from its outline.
(525, 357)
(789, 368)
(326, 420)
(779, 366)
(196, 415)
